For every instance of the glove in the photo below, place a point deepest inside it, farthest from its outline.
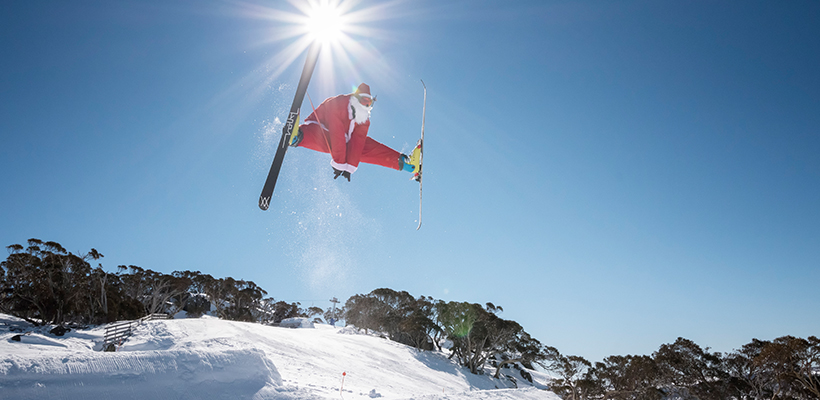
(337, 172)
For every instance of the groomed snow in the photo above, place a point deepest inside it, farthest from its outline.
(209, 358)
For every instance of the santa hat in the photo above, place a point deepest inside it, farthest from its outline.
(363, 91)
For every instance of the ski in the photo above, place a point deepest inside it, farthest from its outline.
(421, 147)
(287, 130)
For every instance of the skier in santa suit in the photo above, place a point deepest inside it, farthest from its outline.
(339, 127)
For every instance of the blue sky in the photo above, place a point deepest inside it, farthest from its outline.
(614, 174)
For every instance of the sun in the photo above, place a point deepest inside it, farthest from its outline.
(326, 22)
(342, 31)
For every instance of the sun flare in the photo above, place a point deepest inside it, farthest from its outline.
(325, 23)
(346, 31)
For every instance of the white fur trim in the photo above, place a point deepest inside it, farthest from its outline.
(343, 167)
(362, 112)
(309, 122)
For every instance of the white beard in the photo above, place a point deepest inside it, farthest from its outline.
(362, 112)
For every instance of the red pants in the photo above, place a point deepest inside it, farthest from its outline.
(371, 152)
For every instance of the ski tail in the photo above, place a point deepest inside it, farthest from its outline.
(290, 125)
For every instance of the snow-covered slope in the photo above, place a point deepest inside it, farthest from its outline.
(208, 358)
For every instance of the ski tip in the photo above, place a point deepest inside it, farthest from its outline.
(264, 202)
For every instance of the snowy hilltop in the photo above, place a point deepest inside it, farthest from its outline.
(210, 358)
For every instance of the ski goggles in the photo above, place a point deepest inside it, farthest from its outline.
(366, 101)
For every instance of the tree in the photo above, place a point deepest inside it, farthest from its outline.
(477, 333)
(793, 364)
(806, 364)
(315, 313)
(626, 377)
(43, 283)
(457, 320)
(419, 327)
(749, 378)
(217, 291)
(46, 284)
(5, 288)
(571, 372)
(191, 299)
(244, 299)
(687, 370)
(496, 335)
(392, 309)
(26, 292)
(154, 289)
(266, 310)
(524, 349)
(283, 310)
(362, 311)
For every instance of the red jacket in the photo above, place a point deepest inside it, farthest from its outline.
(346, 138)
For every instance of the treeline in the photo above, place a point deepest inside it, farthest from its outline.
(45, 284)
(476, 335)
(787, 368)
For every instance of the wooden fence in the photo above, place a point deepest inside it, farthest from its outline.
(118, 332)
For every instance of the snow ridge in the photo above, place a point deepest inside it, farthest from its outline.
(208, 358)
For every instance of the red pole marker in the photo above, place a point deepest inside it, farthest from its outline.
(343, 382)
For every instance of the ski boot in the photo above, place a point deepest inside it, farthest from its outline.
(296, 135)
(414, 161)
